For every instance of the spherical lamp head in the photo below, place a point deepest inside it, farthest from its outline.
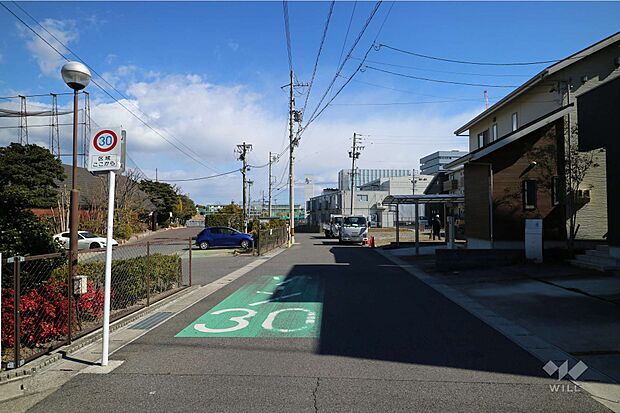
(76, 75)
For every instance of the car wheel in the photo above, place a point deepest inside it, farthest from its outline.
(204, 245)
(245, 244)
(94, 245)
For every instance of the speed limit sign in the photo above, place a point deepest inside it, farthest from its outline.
(105, 150)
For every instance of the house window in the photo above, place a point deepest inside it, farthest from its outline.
(483, 138)
(494, 133)
(529, 194)
(515, 121)
(363, 198)
(555, 199)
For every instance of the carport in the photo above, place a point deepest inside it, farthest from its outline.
(445, 199)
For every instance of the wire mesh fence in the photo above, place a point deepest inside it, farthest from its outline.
(42, 310)
(269, 239)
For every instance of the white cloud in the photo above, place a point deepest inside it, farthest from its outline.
(234, 46)
(209, 120)
(50, 61)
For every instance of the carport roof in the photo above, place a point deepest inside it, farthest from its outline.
(423, 199)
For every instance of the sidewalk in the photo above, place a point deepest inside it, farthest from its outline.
(574, 309)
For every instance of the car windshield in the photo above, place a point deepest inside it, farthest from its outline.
(87, 234)
(338, 221)
(355, 221)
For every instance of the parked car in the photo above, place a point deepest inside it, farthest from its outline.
(223, 237)
(86, 240)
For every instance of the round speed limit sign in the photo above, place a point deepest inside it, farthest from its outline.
(105, 140)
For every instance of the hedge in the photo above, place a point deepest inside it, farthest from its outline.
(129, 276)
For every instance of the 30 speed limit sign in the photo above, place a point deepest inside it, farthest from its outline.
(105, 150)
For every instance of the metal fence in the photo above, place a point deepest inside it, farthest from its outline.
(40, 312)
(269, 239)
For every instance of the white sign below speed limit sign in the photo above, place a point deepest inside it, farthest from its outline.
(105, 151)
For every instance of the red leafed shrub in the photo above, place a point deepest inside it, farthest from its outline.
(44, 313)
(90, 304)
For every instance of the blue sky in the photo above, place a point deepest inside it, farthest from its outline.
(210, 74)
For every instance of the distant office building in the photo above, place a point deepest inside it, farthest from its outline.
(433, 163)
(364, 176)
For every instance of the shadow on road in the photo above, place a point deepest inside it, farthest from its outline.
(376, 311)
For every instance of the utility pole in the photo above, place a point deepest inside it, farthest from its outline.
(242, 151)
(291, 183)
(413, 181)
(250, 183)
(294, 116)
(354, 154)
(271, 160)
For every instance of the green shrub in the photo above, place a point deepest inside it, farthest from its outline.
(129, 276)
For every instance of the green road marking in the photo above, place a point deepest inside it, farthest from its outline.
(273, 306)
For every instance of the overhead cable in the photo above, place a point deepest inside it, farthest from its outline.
(188, 154)
(466, 62)
(426, 79)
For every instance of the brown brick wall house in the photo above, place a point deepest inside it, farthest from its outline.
(537, 158)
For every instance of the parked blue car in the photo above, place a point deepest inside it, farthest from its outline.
(223, 237)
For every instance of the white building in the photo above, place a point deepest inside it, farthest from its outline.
(364, 176)
(367, 200)
(433, 163)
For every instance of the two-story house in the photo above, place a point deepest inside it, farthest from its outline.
(520, 163)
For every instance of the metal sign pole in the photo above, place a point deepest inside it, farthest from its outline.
(108, 272)
(0, 300)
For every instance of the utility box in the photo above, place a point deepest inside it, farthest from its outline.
(533, 240)
(79, 285)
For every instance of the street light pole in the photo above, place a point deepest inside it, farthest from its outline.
(77, 77)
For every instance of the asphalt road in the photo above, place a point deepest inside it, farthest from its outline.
(386, 342)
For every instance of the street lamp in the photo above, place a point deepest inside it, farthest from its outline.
(77, 77)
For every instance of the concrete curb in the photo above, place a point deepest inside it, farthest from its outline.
(601, 387)
(9, 376)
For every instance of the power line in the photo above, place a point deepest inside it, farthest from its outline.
(442, 71)
(318, 109)
(97, 73)
(466, 62)
(346, 36)
(318, 55)
(188, 154)
(200, 178)
(287, 30)
(406, 103)
(426, 79)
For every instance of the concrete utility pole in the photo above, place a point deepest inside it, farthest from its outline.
(291, 178)
(243, 150)
(271, 160)
(250, 183)
(354, 154)
(294, 116)
(413, 181)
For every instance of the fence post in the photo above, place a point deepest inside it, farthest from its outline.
(190, 261)
(148, 274)
(16, 298)
(258, 242)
